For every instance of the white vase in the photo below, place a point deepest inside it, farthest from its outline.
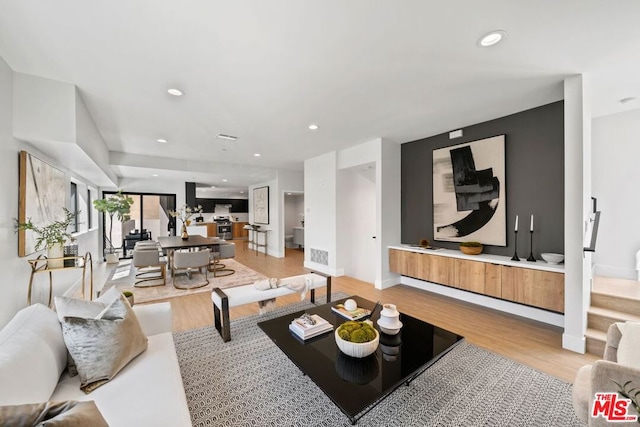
(55, 251)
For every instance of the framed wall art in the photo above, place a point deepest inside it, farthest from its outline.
(261, 205)
(469, 192)
(42, 198)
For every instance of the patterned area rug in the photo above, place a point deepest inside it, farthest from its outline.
(123, 277)
(248, 381)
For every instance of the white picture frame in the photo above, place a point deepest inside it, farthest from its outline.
(261, 205)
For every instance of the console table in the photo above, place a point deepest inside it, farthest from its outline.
(254, 239)
(43, 264)
(536, 284)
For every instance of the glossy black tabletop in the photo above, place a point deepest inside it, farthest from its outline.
(356, 385)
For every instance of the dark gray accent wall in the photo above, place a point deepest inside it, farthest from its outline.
(534, 151)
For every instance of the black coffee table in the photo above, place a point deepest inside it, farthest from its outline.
(357, 385)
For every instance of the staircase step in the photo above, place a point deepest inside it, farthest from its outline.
(600, 318)
(618, 303)
(595, 341)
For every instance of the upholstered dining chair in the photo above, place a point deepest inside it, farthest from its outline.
(222, 251)
(620, 365)
(151, 266)
(188, 261)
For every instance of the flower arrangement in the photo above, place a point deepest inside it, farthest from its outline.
(184, 212)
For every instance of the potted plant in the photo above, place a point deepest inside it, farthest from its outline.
(118, 205)
(51, 237)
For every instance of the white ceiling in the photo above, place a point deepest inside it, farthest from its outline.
(264, 70)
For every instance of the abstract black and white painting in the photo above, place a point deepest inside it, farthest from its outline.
(469, 192)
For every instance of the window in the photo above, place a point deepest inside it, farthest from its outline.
(73, 200)
(89, 207)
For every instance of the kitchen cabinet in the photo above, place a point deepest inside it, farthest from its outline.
(235, 205)
(238, 230)
(538, 285)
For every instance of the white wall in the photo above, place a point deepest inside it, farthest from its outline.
(16, 270)
(577, 186)
(320, 201)
(44, 109)
(615, 184)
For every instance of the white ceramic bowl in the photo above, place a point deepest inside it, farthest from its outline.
(552, 258)
(358, 350)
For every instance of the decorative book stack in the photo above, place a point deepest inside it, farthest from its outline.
(309, 326)
(357, 313)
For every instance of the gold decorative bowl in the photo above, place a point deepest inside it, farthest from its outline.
(471, 250)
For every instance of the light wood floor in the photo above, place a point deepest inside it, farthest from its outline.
(531, 343)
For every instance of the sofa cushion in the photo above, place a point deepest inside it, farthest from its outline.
(53, 414)
(582, 392)
(147, 392)
(628, 353)
(102, 346)
(32, 356)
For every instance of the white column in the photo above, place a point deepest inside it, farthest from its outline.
(577, 184)
(388, 211)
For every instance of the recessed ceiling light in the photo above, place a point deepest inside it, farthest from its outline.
(627, 100)
(175, 92)
(224, 180)
(257, 155)
(164, 141)
(242, 192)
(227, 137)
(288, 194)
(213, 186)
(492, 38)
(155, 174)
(313, 127)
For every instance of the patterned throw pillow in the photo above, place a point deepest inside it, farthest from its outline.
(103, 345)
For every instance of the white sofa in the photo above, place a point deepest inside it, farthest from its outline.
(147, 392)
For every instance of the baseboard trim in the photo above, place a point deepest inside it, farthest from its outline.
(387, 283)
(574, 343)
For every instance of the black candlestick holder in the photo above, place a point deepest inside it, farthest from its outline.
(515, 250)
(531, 257)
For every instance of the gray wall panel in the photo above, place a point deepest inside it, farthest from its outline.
(534, 150)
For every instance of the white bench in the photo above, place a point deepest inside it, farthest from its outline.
(246, 294)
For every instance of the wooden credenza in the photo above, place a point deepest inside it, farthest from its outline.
(535, 286)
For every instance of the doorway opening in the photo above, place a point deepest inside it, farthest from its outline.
(293, 221)
(149, 218)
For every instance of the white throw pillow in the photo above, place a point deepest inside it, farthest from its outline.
(32, 356)
(629, 345)
(67, 306)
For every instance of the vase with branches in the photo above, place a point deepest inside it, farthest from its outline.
(184, 213)
(118, 205)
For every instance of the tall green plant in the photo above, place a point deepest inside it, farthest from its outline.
(118, 205)
(51, 234)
